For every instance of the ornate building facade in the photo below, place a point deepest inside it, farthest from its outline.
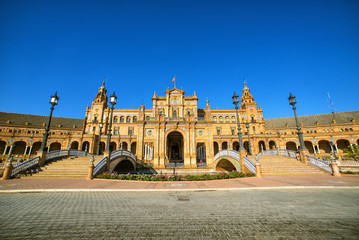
(176, 131)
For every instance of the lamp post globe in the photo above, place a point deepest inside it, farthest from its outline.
(293, 101)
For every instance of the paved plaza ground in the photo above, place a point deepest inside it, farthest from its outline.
(248, 214)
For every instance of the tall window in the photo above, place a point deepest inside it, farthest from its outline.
(128, 119)
(174, 113)
(115, 131)
(122, 119)
(134, 119)
(115, 119)
(130, 131)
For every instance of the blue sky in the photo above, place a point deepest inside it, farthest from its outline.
(307, 47)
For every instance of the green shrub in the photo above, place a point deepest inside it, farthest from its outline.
(175, 177)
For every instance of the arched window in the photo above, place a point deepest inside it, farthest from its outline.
(134, 119)
(220, 119)
(233, 119)
(122, 119)
(128, 119)
(115, 119)
(214, 119)
(227, 119)
(174, 113)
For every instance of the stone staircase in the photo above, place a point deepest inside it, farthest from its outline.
(277, 165)
(69, 167)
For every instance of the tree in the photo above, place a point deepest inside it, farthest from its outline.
(352, 152)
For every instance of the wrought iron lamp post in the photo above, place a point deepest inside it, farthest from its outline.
(53, 101)
(113, 100)
(249, 140)
(293, 101)
(235, 102)
(99, 140)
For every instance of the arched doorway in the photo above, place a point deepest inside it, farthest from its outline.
(261, 145)
(342, 144)
(225, 165)
(224, 145)
(309, 146)
(85, 146)
(2, 147)
(291, 146)
(35, 147)
(133, 148)
(215, 148)
(124, 145)
(175, 147)
(55, 146)
(125, 166)
(236, 146)
(324, 146)
(74, 145)
(246, 146)
(272, 145)
(19, 148)
(113, 146)
(102, 147)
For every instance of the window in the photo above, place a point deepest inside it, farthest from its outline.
(233, 130)
(115, 131)
(214, 119)
(227, 119)
(174, 113)
(128, 119)
(220, 119)
(122, 119)
(219, 131)
(233, 119)
(130, 131)
(115, 119)
(94, 129)
(134, 119)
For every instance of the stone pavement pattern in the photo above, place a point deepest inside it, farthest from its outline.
(245, 214)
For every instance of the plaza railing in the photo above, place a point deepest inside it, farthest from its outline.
(24, 166)
(325, 165)
(99, 166)
(283, 152)
(64, 153)
(249, 164)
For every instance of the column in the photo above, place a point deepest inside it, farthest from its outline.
(318, 149)
(314, 149)
(27, 148)
(6, 149)
(30, 151)
(336, 148)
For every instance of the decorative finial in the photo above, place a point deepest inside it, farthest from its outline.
(104, 79)
(207, 102)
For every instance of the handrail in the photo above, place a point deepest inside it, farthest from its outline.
(284, 152)
(250, 165)
(62, 153)
(320, 163)
(99, 166)
(32, 162)
(226, 152)
(117, 153)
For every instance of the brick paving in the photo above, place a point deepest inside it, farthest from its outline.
(261, 214)
(240, 183)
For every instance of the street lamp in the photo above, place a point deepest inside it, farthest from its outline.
(235, 102)
(113, 100)
(53, 101)
(249, 140)
(293, 101)
(99, 139)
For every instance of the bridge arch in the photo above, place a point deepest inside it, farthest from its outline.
(227, 160)
(122, 161)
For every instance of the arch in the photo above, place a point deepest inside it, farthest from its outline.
(225, 165)
(236, 146)
(309, 146)
(19, 148)
(175, 147)
(261, 145)
(215, 148)
(128, 119)
(224, 145)
(113, 146)
(102, 147)
(85, 146)
(122, 119)
(35, 147)
(174, 114)
(55, 146)
(74, 145)
(124, 146)
(233, 119)
(134, 119)
(324, 146)
(115, 119)
(246, 146)
(201, 153)
(2, 147)
(214, 119)
(342, 144)
(272, 144)
(124, 166)
(291, 146)
(220, 119)
(133, 148)
(227, 119)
